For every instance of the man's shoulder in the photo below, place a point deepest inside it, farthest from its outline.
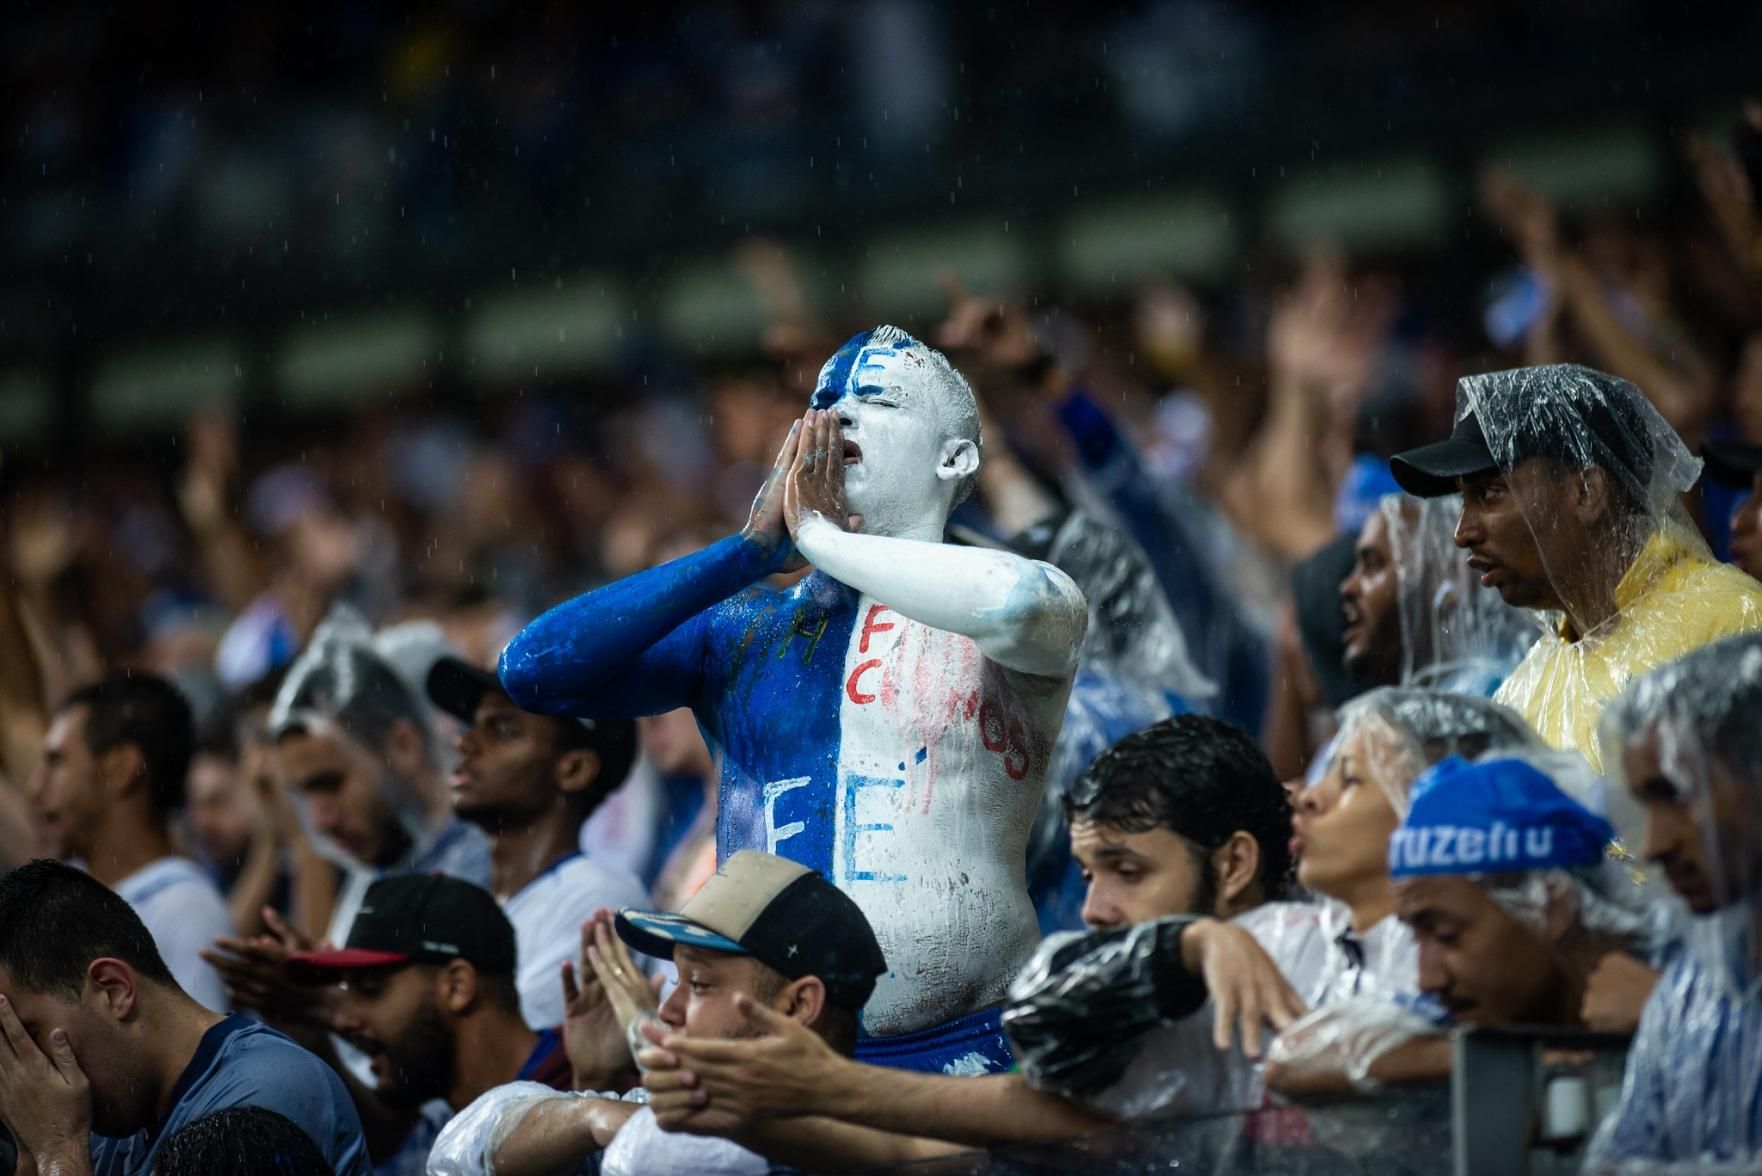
(1706, 600)
(581, 882)
(256, 1049)
(167, 875)
(175, 892)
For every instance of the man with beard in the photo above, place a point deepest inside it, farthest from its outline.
(425, 988)
(529, 781)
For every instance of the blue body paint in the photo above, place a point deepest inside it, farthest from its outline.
(843, 375)
(761, 669)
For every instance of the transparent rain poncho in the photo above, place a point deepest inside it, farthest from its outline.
(1133, 671)
(1078, 1029)
(1687, 739)
(1455, 634)
(1591, 533)
(341, 685)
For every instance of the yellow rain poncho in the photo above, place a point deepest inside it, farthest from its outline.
(1572, 509)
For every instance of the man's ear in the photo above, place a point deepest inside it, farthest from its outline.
(576, 769)
(113, 985)
(1592, 494)
(456, 988)
(802, 1000)
(1237, 866)
(959, 460)
(406, 753)
(120, 769)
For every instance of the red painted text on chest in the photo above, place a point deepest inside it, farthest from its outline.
(933, 680)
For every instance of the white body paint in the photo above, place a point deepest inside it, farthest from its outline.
(942, 765)
(954, 687)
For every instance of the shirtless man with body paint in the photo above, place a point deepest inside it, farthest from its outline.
(888, 719)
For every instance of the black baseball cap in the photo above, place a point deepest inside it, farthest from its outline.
(779, 912)
(416, 919)
(1733, 462)
(1608, 407)
(456, 687)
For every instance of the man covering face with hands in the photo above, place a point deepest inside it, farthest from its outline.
(102, 1055)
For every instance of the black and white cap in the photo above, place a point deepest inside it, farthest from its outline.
(779, 912)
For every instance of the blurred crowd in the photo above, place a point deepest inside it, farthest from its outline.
(1251, 488)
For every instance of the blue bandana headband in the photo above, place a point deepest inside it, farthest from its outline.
(1493, 817)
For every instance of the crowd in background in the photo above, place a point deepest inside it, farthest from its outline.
(1234, 442)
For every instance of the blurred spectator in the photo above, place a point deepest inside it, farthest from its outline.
(529, 781)
(1739, 464)
(113, 774)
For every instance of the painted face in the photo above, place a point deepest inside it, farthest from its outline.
(65, 790)
(1135, 877)
(1680, 822)
(220, 808)
(1367, 600)
(393, 1016)
(703, 1003)
(1746, 531)
(339, 783)
(1343, 821)
(101, 1050)
(507, 765)
(1499, 514)
(894, 434)
(1482, 964)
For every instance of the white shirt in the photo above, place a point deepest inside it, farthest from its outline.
(547, 914)
(184, 912)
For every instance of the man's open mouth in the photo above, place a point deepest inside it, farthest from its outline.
(853, 453)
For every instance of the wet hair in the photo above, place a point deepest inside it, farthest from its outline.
(149, 712)
(240, 1141)
(1199, 778)
(55, 920)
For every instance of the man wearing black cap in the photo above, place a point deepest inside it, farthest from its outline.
(1739, 464)
(763, 936)
(529, 781)
(425, 988)
(1570, 483)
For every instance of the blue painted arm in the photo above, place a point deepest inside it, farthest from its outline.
(633, 647)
